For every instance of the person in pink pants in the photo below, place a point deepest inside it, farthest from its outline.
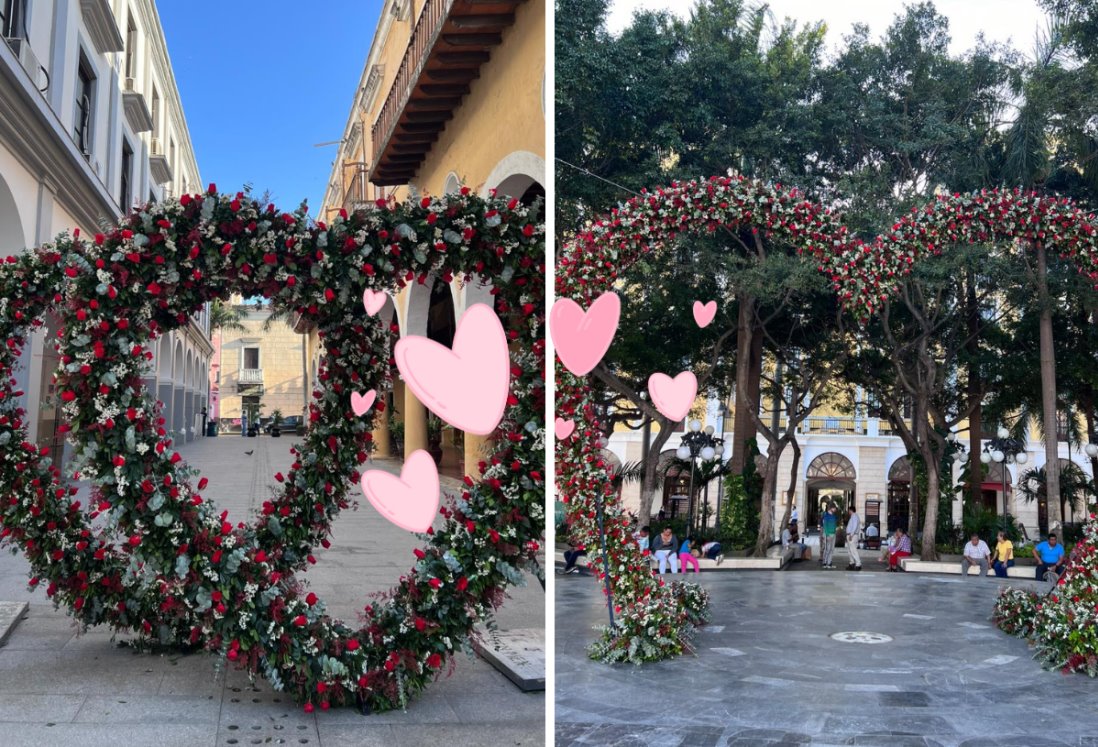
(686, 557)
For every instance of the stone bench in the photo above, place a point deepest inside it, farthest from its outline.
(914, 565)
(772, 562)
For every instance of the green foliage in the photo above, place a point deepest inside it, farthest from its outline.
(740, 508)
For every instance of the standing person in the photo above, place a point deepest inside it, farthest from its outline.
(828, 526)
(1050, 557)
(899, 550)
(793, 516)
(853, 528)
(687, 557)
(665, 548)
(976, 553)
(1004, 555)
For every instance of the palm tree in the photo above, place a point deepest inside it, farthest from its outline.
(225, 316)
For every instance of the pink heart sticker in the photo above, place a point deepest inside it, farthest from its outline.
(409, 501)
(704, 313)
(564, 428)
(360, 404)
(373, 300)
(673, 397)
(466, 386)
(582, 338)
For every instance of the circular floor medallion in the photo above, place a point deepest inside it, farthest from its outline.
(861, 636)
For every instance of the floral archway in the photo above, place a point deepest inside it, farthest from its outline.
(654, 621)
(152, 553)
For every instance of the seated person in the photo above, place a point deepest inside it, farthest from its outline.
(687, 557)
(1050, 557)
(642, 537)
(976, 553)
(712, 550)
(791, 538)
(887, 547)
(665, 548)
(1004, 555)
(899, 549)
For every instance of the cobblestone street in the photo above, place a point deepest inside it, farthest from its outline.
(61, 688)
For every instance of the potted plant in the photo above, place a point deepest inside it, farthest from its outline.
(434, 437)
(396, 436)
(276, 423)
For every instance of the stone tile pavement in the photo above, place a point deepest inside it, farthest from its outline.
(59, 687)
(767, 671)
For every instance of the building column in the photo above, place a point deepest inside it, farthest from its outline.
(415, 423)
(177, 416)
(475, 451)
(163, 393)
(381, 434)
(188, 415)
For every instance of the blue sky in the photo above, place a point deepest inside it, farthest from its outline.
(261, 82)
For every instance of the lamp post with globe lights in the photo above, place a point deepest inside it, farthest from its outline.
(1091, 450)
(1004, 450)
(698, 442)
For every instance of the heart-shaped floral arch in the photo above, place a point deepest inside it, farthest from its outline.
(654, 621)
(151, 554)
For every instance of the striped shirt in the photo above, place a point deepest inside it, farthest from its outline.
(904, 545)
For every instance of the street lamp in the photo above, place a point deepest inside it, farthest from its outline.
(698, 443)
(1004, 450)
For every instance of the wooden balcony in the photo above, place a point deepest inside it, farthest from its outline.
(356, 187)
(452, 39)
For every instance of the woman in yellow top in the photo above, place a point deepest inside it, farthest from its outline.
(1004, 555)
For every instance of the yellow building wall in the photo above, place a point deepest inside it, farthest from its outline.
(280, 358)
(503, 112)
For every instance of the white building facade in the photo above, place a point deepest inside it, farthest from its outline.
(846, 460)
(91, 124)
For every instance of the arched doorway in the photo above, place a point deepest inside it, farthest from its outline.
(676, 486)
(899, 494)
(445, 442)
(992, 497)
(831, 478)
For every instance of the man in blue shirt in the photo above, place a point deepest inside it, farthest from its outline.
(828, 526)
(1050, 556)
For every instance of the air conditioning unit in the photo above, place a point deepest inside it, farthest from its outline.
(129, 85)
(155, 147)
(23, 51)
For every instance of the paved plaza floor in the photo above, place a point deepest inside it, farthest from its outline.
(61, 688)
(932, 670)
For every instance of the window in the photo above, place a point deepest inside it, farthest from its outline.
(156, 113)
(125, 194)
(171, 154)
(131, 47)
(85, 104)
(251, 358)
(15, 19)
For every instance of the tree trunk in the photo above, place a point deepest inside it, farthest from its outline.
(743, 428)
(975, 392)
(651, 484)
(930, 522)
(792, 491)
(766, 510)
(1048, 390)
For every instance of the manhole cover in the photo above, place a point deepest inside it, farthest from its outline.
(860, 636)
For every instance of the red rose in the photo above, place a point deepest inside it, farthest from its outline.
(119, 460)
(527, 230)
(352, 645)
(310, 599)
(462, 583)
(153, 288)
(68, 396)
(300, 621)
(309, 708)
(435, 583)
(434, 661)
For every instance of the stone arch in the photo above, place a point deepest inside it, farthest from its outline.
(178, 416)
(829, 478)
(13, 240)
(516, 174)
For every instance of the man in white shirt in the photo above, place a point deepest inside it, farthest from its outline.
(853, 528)
(976, 553)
